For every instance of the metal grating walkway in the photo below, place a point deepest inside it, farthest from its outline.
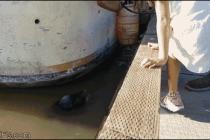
(135, 111)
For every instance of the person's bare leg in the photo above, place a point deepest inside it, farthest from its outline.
(172, 101)
(173, 74)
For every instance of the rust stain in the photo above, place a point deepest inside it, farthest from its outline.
(72, 64)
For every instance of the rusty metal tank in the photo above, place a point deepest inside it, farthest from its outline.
(48, 42)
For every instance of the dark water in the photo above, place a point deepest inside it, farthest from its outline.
(32, 110)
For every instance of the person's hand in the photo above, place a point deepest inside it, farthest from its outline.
(153, 46)
(153, 62)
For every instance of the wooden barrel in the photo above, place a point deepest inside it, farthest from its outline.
(127, 26)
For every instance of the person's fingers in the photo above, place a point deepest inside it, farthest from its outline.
(150, 44)
(144, 61)
(153, 46)
(152, 66)
(152, 63)
(148, 64)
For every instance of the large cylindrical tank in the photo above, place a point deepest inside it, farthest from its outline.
(45, 41)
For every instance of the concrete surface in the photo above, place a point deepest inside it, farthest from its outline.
(194, 121)
(191, 123)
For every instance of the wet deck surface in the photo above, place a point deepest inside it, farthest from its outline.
(32, 110)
